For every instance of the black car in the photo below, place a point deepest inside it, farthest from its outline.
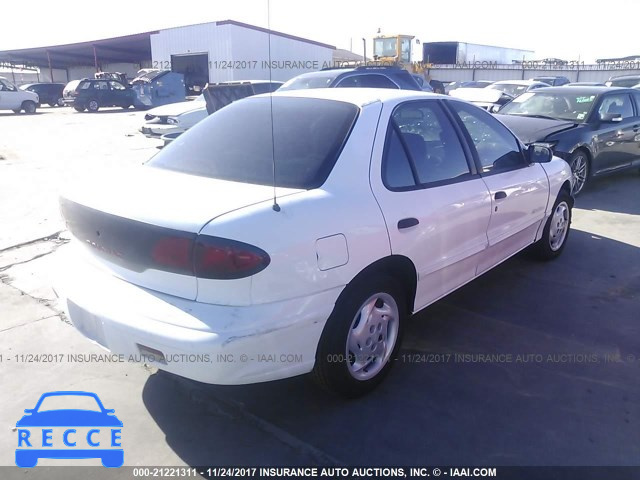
(553, 80)
(595, 129)
(363, 77)
(91, 95)
(49, 93)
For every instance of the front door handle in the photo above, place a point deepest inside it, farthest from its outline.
(407, 223)
(500, 195)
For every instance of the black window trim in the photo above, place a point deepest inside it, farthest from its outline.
(472, 146)
(473, 172)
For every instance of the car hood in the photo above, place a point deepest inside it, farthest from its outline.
(530, 129)
(175, 109)
(69, 418)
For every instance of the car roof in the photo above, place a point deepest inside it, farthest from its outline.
(516, 82)
(357, 96)
(586, 89)
(232, 82)
(623, 77)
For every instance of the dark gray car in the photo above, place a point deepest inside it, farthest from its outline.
(595, 129)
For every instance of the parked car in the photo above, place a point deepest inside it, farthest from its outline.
(176, 118)
(584, 84)
(487, 98)
(596, 129)
(467, 84)
(517, 87)
(197, 258)
(91, 95)
(49, 93)
(553, 80)
(12, 98)
(364, 77)
(627, 81)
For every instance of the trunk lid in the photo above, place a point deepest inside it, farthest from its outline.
(141, 224)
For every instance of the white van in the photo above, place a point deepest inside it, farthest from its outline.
(12, 98)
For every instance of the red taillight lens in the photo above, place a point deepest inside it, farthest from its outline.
(175, 253)
(223, 259)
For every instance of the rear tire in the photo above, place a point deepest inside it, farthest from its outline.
(60, 102)
(79, 109)
(93, 105)
(556, 230)
(17, 110)
(362, 336)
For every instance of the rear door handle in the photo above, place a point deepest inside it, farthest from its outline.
(407, 223)
(500, 195)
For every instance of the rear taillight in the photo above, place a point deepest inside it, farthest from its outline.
(223, 259)
(212, 257)
(175, 253)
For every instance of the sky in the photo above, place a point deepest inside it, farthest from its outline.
(571, 30)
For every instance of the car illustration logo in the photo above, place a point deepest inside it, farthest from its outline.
(82, 428)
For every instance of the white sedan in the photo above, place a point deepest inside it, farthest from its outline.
(385, 201)
(174, 117)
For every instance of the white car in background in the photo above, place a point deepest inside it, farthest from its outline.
(385, 201)
(174, 117)
(13, 98)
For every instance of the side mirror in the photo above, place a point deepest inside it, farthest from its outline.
(539, 154)
(495, 108)
(610, 117)
(28, 410)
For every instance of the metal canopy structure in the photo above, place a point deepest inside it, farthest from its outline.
(127, 49)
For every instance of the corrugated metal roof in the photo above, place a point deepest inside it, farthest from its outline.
(134, 48)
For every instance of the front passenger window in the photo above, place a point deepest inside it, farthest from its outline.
(497, 148)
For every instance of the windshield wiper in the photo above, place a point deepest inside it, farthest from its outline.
(546, 117)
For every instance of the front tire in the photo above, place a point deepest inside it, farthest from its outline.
(362, 336)
(29, 107)
(580, 169)
(556, 230)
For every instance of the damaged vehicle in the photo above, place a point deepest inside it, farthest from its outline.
(595, 129)
(222, 259)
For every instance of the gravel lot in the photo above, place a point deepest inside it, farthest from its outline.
(532, 364)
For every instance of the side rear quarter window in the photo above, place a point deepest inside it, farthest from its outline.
(423, 148)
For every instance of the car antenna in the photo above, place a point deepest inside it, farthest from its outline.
(276, 207)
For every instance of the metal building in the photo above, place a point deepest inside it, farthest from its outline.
(230, 50)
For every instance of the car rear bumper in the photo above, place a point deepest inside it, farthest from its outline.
(208, 343)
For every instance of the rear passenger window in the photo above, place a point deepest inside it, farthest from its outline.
(617, 104)
(422, 140)
(498, 149)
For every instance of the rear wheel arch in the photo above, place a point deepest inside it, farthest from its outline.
(399, 267)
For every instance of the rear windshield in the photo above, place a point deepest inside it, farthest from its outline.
(235, 143)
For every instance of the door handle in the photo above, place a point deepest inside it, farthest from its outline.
(619, 134)
(500, 195)
(407, 223)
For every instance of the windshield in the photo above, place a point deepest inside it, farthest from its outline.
(385, 47)
(235, 143)
(308, 81)
(574, 107)
(512, 89)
